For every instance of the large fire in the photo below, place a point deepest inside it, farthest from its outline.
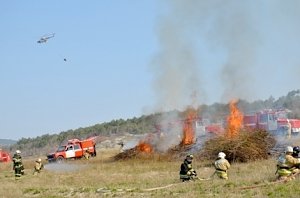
(144, 147)
(234, 120)
(188, 128)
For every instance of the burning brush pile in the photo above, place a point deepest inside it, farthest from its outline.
(172, 140)
(240, 145)
(142, 150)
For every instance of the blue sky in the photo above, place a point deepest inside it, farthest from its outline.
(129, 58)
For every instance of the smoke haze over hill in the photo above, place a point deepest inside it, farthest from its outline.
(256, 45)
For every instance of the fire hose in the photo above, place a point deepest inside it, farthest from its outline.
(170, 185)
(211, 177)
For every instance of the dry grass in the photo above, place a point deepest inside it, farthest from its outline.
(103, 177)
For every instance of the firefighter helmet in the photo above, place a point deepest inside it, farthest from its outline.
(189, 157)
(296, 150)
(221, 155)
(289, 149)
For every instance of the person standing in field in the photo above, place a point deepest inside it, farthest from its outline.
(289, 129)
(38, 166)
(87, 154)
(187, 172)
(17, 164)
(287, 165)
(222, 166)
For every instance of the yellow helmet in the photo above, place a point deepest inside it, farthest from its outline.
(289, 149)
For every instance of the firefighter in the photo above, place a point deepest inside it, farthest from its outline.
(187, 172)
(17, 164)
(222, 165)
(38, 166)
(289, 129)
(87, 154)
(287, 165)
(296, 151)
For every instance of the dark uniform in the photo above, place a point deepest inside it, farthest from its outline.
(186, 169)
(18, 165)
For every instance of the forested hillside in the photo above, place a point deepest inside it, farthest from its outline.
(146, 123)
(6, 142)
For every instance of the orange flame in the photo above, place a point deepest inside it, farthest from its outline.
(234, 120)
(188, 128)
(144, 147)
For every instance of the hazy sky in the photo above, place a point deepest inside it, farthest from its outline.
(129, 58)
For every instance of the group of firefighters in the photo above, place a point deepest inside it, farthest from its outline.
(19, 168)
(288, 163)
(187, 173)
(288, 166)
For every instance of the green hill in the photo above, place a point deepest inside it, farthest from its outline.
(7, 142)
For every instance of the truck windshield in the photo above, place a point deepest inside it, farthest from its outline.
(61, 148)
(263, 118)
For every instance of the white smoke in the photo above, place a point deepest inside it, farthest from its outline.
(171, 132)
(249, 46)
(63, 167)
(256, 43)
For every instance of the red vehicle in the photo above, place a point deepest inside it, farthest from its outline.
(4, 156)
(295, 125)
(74, 149)
(214, 128)
(272, 121)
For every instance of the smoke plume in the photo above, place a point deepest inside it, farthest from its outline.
(224, 50)
(216, 51)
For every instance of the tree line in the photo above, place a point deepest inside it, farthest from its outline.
(40, 145)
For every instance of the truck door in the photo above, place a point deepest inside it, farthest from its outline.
(70, 151)
(78, 150)
(272, 123)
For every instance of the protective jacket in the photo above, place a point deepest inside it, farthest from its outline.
(18, 165)
(38, 167)
(186, 171)
(221, 166)
(287, 164)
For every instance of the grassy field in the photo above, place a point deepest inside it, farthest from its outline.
(102, 177)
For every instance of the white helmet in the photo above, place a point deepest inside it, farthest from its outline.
(18, 152)
(222, 155)
(39, 160)
(289, 149)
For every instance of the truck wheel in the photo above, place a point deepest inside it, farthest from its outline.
(60, 159)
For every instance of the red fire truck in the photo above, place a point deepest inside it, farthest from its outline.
(4, 156)
(74, 149)
(274, 121)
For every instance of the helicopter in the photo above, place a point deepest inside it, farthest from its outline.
(44, 38)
